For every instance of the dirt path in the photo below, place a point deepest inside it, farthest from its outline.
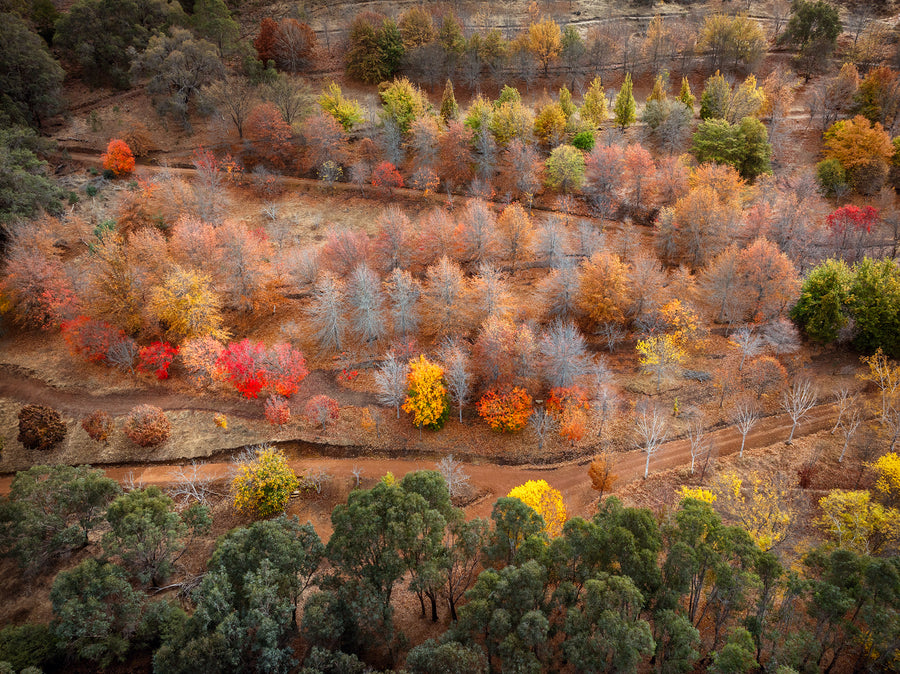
(495, 481)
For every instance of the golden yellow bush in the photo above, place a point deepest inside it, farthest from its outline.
(546, 501)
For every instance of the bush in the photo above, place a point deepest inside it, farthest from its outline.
(505, 410)
(98, 425)
(831, 176)
(584, 140)
(118, 158)
(277, 411)
(321, 410)
(89, 338)
(147, 425)
(264, 485)
(157, 358)
(40, 427)
(27, 645)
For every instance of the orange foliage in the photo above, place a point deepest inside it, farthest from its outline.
(601, 475)
(505, 409)
(118, 158)
(271, 136)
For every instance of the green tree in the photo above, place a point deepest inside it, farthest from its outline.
(30, 78)
(875, 305)
(96, 611)
(347, 112)
(714, 99)
(451, 657)
(28, 646)
(565, 169)
(685, 95)
(745, 146)
(811, 22)
(52, 509)
(101, 35)
(676, 642)
(212, 20)
(517, 533)
(624, 107)
(403, 103)
(736, 657)
(148, 535)
(179, 66)
(24, 185)
(593, 108)
(449, 107)
(822, 310)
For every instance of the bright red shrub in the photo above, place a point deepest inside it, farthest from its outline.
(386, 175)
(285, 368)
(118, 158)
(243, 364)
(157, 358)
(852, 218)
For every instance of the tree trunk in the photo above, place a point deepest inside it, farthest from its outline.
(790, 439)
(743, 440)
(647, 466)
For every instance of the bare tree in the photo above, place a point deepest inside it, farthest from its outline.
(122, 354)
(316, 478)
(457, 374)
(452, 472)
(356, 472)
(797, 401)
(191, 483)
(366, 303)
(612, 333)
(552, 243)
(477, 234)
(781, 336)
(844, 400)
(749, 344)
(394, 240)
(744, 417)
(292, 96)
(564, 354)
(490, 291)
(696, 434)
(542, 423)
(234, 97)
(560, 291)
(391, 380)
(849, 426)
(404, 292)
(326, 313)
(587, 239)
(652, 427)
(445, 294)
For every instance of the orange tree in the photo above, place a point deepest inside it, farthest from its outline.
(545, 501)
(427, 398)
(118, 158)
(505, 409)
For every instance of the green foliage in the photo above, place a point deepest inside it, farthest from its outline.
(212, 21)
(744, 146)
(737, 656)
(584, 140)
(812, 21)
(322, 661)
(27, 645)
(677, 641)
(30, 78)
(831, 176)
(518, 533)
(565, 169)
(95, 611)
(452, 657)
(403, 103)
(822, 310)
(102, 35)
(875, 306)
(714, 99)
(24, 186)
(346, 112)
(51, 510)
(449, 107)
(148, 535)
(624, 107)
(373, 54)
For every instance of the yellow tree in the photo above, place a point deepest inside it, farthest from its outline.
(594, 109)
(659, 355)
(545, 41)
(263, 485)
(681, 322)
(186, 305)
(603, 289)
(887, 481)
(426, 399)
(884, 374)
(762, 505)
(854, 522)
(545, 501)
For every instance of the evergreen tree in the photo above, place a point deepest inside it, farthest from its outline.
(625, 108)
(449, 107)
(685, 95)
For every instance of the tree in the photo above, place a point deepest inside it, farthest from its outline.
(25, 187)
(476, 234)
(118, 158)
(878, 97)
(822, 309)
(731, 41)
(458, 375)
(593, 108)
(387, 176)
(736, 656)
(863, 149)
(346, 112)
(797, 401)
(624, 107)
(403, 293)
(321, 411)
(744, 146)
(444, 295)
(744, 417)
(813, 25)
(659, 355)
(294, 46)
(234, 96)
(565, 169)
(97, 595)
(187, 306)
(449, 108)
(391, 380)
(854, 522)
(264, 484)
(601, 474)
(366, 303)
(426, 399)
(848, 227)
(102, 36)
(213, 21)
(147, 426)
(652, 428)
(604, 289)
(550, 124)
(544, 40)
(768, 281)
(546, 501)
(148, 535)
(564, 354)
(516, 232)
(179, 66)
(326, 313)
(271, 136)
(874, 298)
(505, 410)
(30, 77)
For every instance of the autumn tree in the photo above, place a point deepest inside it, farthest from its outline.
(187, 307)
(745, 146)
(505, 409)
(118, 158)
(365, 300)
(731, 41)
(326, 313)
(444, 297)
(391, 378)
(768, 281)
(600, 472)
(476, 234)
(457, 374)
(516, 233)
(604, 289)
(545, 41)
(270, 135)
(624, 107)
(426, 398)
(403, 293)
(565, 169)
(863, 149)
(564, 354)
(264, 483)
(545, 501)
(233, 95)
(652, 429)
(660, 355)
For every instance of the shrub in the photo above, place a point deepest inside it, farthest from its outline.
(28, 645)
(505, 410)
(242, 364)
(277, 411)
(118, 158)
(98, 425)
(200, 357)
(157, 358)
(387, 176)
(147, 425)
(40, 427)
(264, 485)
(90, 338)
(584, 140)
(321, 410)
(831, 176)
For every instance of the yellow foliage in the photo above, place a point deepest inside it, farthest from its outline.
(887, 482)
(388, 479)
(264, 485)
(681, 322)
(760, 504)
(603, 288)
(853, 522)
(659, 354)
(221, 421)
(545, 41)
(427, 396)
(698, 493)
(544, 500)
(188, 307)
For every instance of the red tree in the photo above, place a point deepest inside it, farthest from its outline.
(118, 158)
(849, 226)
(90, 338)
(271, 135)
(386, 175)
(157, 358)
(285, 368)
(321, 410)
(242, 363)
(265, 41)
(277, 411)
